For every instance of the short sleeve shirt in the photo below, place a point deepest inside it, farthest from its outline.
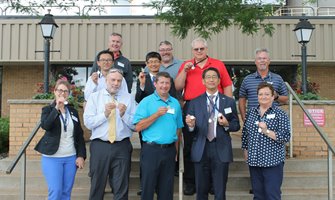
(250, 83)
(193, 83)
(164, 129)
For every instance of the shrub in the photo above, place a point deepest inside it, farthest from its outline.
(4, 135)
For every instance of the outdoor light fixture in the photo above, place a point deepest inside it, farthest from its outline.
(48, 27)
(303, 31)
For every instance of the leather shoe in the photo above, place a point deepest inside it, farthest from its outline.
(211, 191)
(139, 193)
(189, 190)
(250, 191)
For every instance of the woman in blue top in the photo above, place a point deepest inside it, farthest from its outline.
(62, 146)
(265, 132)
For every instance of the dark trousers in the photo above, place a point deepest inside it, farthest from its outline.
(209, 167)
(266, 182)
(113, 160)
(188, 164)
(157, 166)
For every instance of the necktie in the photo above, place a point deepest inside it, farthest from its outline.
(211, 123)
(153, 79)
(112, 123)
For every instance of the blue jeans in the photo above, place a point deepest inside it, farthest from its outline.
(59, 174)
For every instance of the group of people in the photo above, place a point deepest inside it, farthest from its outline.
(190, 100)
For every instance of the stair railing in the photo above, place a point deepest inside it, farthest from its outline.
(181, 166)
(22, 154)
(324, 137)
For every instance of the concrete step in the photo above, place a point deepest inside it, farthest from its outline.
(80, 194)
(303, 179)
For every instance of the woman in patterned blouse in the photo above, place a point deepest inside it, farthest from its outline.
(265, 132)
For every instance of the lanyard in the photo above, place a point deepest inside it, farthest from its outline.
(195, 63)
(65, 121)
(213, 105)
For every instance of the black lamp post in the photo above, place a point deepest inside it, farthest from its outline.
(48, 27)
(303, 31)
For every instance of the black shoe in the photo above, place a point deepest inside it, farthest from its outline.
(139, 193)
(189, 190)
(250, 191)
(211, 191)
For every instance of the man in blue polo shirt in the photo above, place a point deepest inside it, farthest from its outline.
(248, 89)
(159, 118)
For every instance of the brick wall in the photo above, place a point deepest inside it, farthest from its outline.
(307, 142)
(19, 82)
(324, 76)
(24, 115)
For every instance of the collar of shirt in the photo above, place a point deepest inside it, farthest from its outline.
(158, 98)
(215, 94)
(106, 93)
(259, 76)
(151, 76)
(116, 54)
(174, 61)
(267, 111)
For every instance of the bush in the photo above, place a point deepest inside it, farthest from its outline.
(4, 135)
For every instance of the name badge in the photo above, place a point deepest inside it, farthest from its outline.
(120, 64)
(74, 118)
(170, 110)
(227, 110)
(271, 116)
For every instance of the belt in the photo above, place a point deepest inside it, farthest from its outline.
(100, 140)
(159, 145)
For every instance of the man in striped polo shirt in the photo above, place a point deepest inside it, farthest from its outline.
(248, 89)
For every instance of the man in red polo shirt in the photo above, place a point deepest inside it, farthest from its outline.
(189, 79)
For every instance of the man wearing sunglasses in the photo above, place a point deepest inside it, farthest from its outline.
(189, 79)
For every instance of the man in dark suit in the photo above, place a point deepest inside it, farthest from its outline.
(145, 83)
(210, 117)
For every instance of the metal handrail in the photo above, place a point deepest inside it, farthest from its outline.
(43, 10)
(324, 137)
(295, 11)
(181, 166)
(22, 154)
(326, 11)
(87, 8)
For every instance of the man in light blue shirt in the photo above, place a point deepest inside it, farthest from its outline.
(169, 64)
(110, 159)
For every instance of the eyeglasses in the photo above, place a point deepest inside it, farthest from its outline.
(115, 70)
(199, 49)
(165, 50)
(211, 77)
(154, 62)
(106, 60)
(60, 91)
